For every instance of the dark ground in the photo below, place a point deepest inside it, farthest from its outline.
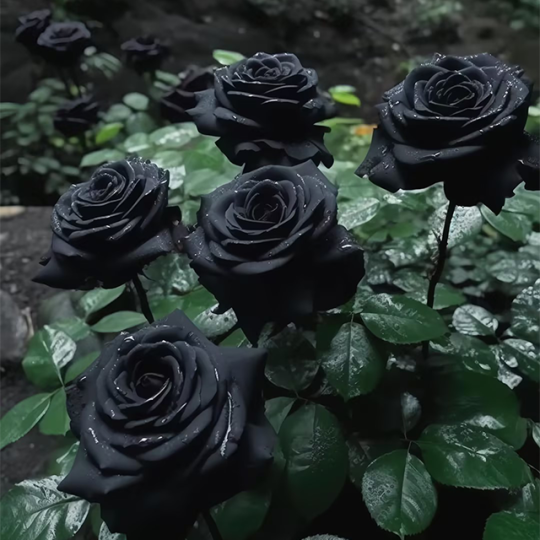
(23, 240)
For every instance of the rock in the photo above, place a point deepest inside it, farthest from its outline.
(14, 330)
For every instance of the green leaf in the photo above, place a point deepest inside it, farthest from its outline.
(463, 456)
(242, 515)
(36, 510)
(354, 214)
(196, 302)
(75, 328)
(347, 98)
(342, 88)
(362, 453)
(137, 143)
(76, 368)
(399, 319)
(514, 226)
(56, 419)
(399, 493)
(474, 321)
(105, 534)
(515, 268)
(536, 433)
(140, 122)
(353, 362)
(136, 101)
(292, 362)
(173, 274)
(479, 401)
(97, 299)
(525, 309)
(49, 351)
(226, 58)
(174, 136)
(118, 113)
(316, 455)
(203, 181)
(236, 339)
(527, 499)
(277, 409)
(512, 526)
(213, 324)
(18, 421)
(63, 461)
(524, 355)
(162, 306)
(116, 322)
(101, 156)
(108, 132)
(466, 224)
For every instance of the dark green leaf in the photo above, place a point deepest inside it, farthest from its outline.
(213, 324)
(515, 268)
(277, 410)
(97, 299)
(76, 368)
(527, 499)
(474, 321)
(515, 226)
(316, 455)
(204, 181)
(138, 143)
(36, 510)
(292, 362)
(105, 534)
(108, 132)
(512, 526)
(49, 351)
(522, 354)
(197, 301)
(356, 213)
(75, 328)
(56, 419)
(354, 363)
(101, 156)
(18, 421)
(463, 456)
(173, 274)
(399, 493)
(480, 401)
(536, 433)
(162, 306)
(140, 122)
(116, 322)
(136, 101)
(118, 113)
(174, 136)
(236, 339)
(63, 460)
(466, 224)
(398, 319)
(226, 58)
(525, 310)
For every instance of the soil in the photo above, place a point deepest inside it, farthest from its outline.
(24, 238)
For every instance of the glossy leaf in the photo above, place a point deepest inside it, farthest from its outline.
(108, 132)
(174, 136)
(525, 310)
(75, 328)
(480, 401)
(36, 510)
(466, 224)
(399, 493)
(203, 181)
(356, 213)
(536, 433)
(49, 351)
(63, 460)
(105, 534)
(97, 299)
(514, 226)
(121, 320)
(474, 321)
(316, 457)
(101, 156)
(512, 526)
(398, 319)
(277, 409)
(464, 456)
(19, 420)
(525, 356)
(226, 58)
(76, 368)
(56, 419)
(292, 362)
(236, 339)
(136, 101)
(353, 362)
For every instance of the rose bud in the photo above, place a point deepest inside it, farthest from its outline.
(265, 109)
(173, 104)
(170, 424)
(269, 246)
(460, 121)
(75, 117)
(144, 54)
(31, 26)
(107, 229)
(62, 44)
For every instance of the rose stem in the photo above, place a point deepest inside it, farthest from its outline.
(212, 527)
(75, 78)
(62, 76)
(145, 306)
(437, 272)
(84, 146)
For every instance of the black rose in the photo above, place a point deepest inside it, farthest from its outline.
(144, 54)
(31, 26)
(174, 103)
(107, 229)
(76, 116)
(457, 120)
(62, 43)
(269, 246)
(170, 424)
(264, 109)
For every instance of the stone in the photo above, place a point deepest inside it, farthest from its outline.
(14, 330)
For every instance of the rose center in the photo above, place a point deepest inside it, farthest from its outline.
(149, 384)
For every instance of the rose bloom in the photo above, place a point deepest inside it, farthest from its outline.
(265, 109)
(107, 229)
(31, 26)
(145, 54)
(269, 246)
(460, 121)
(170, 424)
(63, 43)
(75, 117)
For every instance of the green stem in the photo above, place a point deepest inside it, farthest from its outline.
(145, 306)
